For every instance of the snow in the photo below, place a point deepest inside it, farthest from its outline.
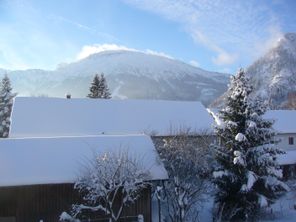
(283, 210)
(238, 159)
(263, 201)
(220, 173)
(46, 117)
(252, 124)
(66, 217)
(272, 183)
(29, 161)
(251, 180)
(215, 114)
(116, 62)
(285, 120)
(240, 137)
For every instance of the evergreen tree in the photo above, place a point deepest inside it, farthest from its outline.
(103, 88)
(94, 88)
(99, 88)
(6, 101)
(247, 174)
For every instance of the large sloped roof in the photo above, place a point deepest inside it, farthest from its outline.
(29, 161)
(35, 117)
(284, 120)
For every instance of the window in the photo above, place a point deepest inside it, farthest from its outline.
(291, 140)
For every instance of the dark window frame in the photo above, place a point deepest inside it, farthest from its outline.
(291, 140)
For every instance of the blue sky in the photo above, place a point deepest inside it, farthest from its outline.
(218, 35)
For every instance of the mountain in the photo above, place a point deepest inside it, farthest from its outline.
(273, 76)
(130, 74)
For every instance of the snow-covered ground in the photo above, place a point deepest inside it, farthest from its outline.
(283, 210)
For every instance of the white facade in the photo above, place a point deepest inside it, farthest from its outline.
(285, 126)
(287, 141)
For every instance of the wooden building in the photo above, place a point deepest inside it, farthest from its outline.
(37, 174)
(32, 203)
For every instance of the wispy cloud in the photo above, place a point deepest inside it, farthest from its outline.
(230, 29)
(162, 54)
(88, 50)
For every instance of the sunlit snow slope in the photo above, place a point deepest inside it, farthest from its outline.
(130, 74)
(273, 76)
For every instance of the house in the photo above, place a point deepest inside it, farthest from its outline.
(285, 126)
(37, 174)
(47, 117)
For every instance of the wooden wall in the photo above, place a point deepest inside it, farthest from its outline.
(46, 202)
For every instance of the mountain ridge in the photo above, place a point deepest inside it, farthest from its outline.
(130, 74)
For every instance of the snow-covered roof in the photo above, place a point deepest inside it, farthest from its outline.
(31, 161)
(285, 120)
(39, 117)
(288, 158)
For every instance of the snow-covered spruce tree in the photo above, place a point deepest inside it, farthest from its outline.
(99, 88)
(6, 100)
(247, 174)
(94, 88)
(187, 163)
(111, 182)
(103, 88)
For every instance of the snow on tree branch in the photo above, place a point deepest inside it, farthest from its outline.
(248, 153)
(111, 182)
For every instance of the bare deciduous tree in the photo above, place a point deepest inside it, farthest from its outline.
(112, 182)
(188, 161)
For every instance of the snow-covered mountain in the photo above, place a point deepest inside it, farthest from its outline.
(130, 74)
(273, 76)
